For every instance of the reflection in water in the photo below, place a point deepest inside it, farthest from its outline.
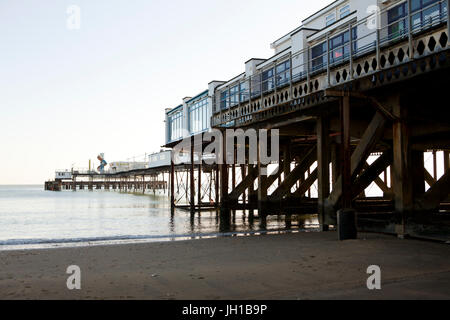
(31, 216)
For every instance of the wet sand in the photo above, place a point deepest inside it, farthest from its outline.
(292, 266)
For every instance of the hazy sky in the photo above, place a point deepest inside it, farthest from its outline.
(67, 95)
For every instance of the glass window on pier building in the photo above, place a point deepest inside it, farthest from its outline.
(397, 21)
(283, 73)
(224, 101)
(234, 95)
(339, 50)
(278, 76)
(230, 97)
(176, 125)
(199, 116)
(424, 14)
(244, 92)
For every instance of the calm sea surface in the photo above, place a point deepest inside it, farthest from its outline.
(33, 218)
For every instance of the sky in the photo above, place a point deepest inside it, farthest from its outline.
(69, 94)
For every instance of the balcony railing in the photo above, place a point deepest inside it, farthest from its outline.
(365, 37)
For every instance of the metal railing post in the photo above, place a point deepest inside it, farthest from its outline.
(307, 66)
(378, 49)
(274, 78)
(261, 89)
(250, 90)
(229, 98)
(410, 40)
(351, 50)
(328, 61)
(290, 75)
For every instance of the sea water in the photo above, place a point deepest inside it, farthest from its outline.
(33, 218)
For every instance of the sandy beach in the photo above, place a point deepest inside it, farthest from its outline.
(292, 266)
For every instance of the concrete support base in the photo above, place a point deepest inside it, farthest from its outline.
(347, 224)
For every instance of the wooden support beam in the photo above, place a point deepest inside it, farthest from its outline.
(435, 171)
(347, 173)
(199, 182)
(306, 184)
(270, 180)
(381, 184)
(335, 162)
(373, 101)
(245, 184)
(287, 159)
(402, 170)
(359, 158)
(371, 173)
(262, 189)
(446, 161)
(172, 184)
(143, 185)
(431, 200)
(418, 173)
(224, 183)
(296, 174)
(368, 142)
(217, 185)
(323, 167)
(224, 178)
(192, 178)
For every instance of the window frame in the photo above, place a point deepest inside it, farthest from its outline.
(344, 11)
(176, 126)
(329, 22)
(198, 115)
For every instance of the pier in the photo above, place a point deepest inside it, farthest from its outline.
(379, 95)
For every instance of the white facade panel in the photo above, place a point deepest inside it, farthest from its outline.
(162, 159)
(63, 175)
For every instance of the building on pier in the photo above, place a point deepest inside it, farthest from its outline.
(192, 117)
(323, 41)
(63, 175)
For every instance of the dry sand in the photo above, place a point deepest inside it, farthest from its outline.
(293, 266)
